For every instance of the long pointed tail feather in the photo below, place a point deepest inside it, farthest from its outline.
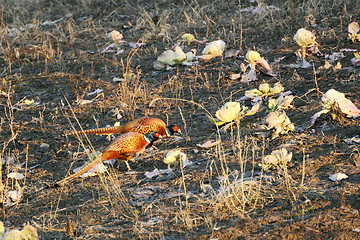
(105, 130)
(80, 172)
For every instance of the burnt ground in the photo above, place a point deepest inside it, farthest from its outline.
(58, 63)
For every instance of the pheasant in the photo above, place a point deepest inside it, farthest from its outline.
(141, 125)
(122, 148)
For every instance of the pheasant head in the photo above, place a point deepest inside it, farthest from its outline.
(151, 137)
(172, 129)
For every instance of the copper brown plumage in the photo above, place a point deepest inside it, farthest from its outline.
(122, 148)
(141, 125)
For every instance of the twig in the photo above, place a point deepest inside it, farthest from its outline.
(184, 122)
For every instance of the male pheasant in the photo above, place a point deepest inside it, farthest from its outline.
(122, 148)
(141, 125)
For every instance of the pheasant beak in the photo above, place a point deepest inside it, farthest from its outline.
(179, 131)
